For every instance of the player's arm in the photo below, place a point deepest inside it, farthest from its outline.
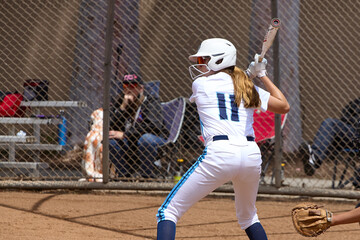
(277, 101)
(352, 216)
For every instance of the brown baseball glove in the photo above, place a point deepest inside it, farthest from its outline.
(310, 220)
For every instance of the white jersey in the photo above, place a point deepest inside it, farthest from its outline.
(235, 159)
(218, 112)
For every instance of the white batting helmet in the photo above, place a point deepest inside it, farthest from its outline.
(222, 53)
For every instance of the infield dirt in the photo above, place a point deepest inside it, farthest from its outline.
(125, 215)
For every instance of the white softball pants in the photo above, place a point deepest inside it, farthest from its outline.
(222, 161)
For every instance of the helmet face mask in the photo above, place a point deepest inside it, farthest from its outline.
(222, 55)
(195, 71)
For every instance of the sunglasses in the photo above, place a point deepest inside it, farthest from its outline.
(130, 85)
(202, 60)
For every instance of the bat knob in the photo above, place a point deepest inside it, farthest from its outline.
(275, 22)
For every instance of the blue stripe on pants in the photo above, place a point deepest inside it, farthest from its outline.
(160, 215)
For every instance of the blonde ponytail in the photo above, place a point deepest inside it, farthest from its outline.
(244, 88)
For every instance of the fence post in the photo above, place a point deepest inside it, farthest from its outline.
(107, 75)
(276, 60)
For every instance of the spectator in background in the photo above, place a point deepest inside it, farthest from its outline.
(332, 137)
(137, 130)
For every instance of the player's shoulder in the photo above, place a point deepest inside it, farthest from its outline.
(199, 82)
(213, 81)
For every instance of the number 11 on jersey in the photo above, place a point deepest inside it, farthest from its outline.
(224, 98)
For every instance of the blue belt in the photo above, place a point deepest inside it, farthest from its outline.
(225, 137)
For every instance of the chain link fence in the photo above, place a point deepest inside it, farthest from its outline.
(52, 67)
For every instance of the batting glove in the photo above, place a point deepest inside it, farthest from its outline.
(250, 71)
(260, 67)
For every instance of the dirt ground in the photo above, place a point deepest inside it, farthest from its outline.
(127, 215)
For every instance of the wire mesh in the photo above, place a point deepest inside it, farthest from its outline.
(52, 55)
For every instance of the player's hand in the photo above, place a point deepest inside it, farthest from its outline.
(250, 71)
(116, 134)
(260, 67)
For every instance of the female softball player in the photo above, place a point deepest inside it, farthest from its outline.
(226, 99)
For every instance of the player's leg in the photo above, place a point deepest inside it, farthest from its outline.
(246, 185)
(245, 207)
(185, 193)
(190, 189)
(256, 232)
(195, 184)
(166, 230)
